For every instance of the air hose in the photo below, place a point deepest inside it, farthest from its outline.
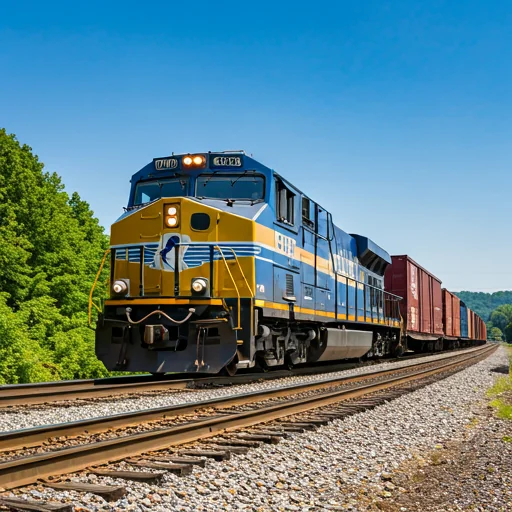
(191, 311)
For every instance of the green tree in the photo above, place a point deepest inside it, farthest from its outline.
(51, 246)
(508, 333)
(502, 316)
(496, 334)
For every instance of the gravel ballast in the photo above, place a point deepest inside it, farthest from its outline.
(349, 464)
(48, 415)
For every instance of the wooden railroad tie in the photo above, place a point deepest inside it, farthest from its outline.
(211, 454)
(231, 441)
(318, 421)
(259, 437)
(35, 506)
(177, 469)
(269, 433)
(194, 461)
(297, 424)
(137, 476)
(107, 492)
(283, 427)
(239, 450)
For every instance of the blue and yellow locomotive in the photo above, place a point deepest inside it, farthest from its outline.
(220, 263)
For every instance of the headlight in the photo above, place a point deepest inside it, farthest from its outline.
(171, 215)
(194, 161)
(199, 285)
(120, 287)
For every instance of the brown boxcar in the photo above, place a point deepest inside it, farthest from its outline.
(451, 314)
(422, 304)
(456, 315)
(451, 319)
(481, 329)
(448, 322)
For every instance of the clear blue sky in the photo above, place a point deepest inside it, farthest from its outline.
(395, 115)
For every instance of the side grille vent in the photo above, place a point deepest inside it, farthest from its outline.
(289, 285)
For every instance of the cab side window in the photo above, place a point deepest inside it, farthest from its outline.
(308, 213)
(285, 203)
(322, 223)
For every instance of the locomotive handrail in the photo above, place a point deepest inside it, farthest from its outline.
(91, 302)
(239, 266)
(238, 327)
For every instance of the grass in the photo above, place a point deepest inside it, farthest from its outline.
(501, 393)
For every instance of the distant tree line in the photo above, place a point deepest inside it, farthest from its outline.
(500, 323)
(485, 303)
(50, 249)
(495, 309)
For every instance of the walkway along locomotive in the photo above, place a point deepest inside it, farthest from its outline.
(220, 263)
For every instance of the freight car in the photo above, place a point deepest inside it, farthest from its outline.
(434, 318)
(422, 304)
(451, 319)
(220, 263)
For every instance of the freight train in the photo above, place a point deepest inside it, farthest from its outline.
(220, 263)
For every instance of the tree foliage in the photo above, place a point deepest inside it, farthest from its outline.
(500, 323)
(50, 249)
(483, 304)
(502, 316)
(495, 334)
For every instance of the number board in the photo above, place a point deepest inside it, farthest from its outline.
(226, 161)
(165, 164)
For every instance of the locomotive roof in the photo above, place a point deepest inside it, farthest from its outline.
(239, 161)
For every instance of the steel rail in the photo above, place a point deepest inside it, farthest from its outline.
(9, 398)
(47, 392)
(23, 438)
(27, 470)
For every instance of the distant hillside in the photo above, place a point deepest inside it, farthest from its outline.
(485, 303)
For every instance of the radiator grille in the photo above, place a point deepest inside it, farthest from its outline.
(289, 285)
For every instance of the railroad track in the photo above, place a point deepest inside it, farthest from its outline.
(50, 392)
(223, 426)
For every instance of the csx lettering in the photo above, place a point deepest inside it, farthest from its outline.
(227, 161)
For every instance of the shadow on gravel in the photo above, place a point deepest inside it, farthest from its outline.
(501, 369)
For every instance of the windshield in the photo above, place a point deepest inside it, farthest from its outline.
(151, 190)
(233, 186)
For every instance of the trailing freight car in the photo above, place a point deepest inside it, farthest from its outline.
(422, 303)
(451, 319)
(434, 318)
(464, 321)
